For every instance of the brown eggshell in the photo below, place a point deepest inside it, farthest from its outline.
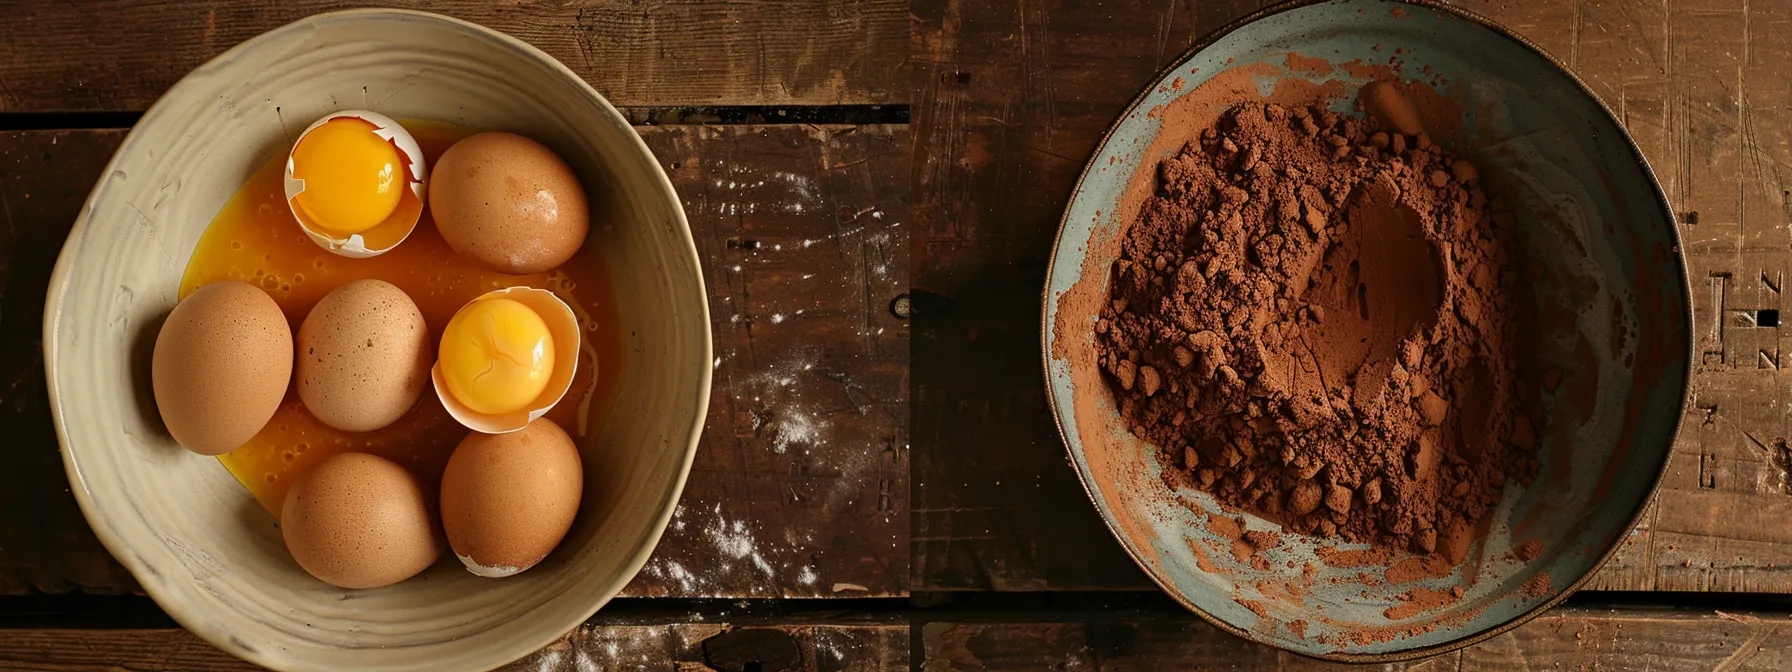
(364, 356)
(222, 363)
(357, 520)
(507, 499)
(508, 203)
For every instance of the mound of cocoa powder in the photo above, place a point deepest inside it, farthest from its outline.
(1312, 318)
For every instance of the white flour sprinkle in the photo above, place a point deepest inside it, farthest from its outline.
(806, 576)
(794, 428)
(824, 644)
(736, 541)
(549, 661)
(677, 572)
(798, 183)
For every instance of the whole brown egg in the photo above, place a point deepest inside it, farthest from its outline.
(508, 203)
(357, 520)
(508, 499)
(222, 363)
(364, 356)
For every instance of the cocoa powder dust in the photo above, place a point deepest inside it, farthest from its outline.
(1311, 319)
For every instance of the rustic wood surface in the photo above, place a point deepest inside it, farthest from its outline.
(803, 485)
(1566, 639)
(45, 544)
(602, 645)
(1013, 97)
(800, 487)
(89, 56)
(1011, 100)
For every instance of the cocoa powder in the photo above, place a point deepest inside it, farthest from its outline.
(1311, 319)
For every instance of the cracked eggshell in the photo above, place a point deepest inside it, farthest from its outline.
(385, 235)
(563, 325)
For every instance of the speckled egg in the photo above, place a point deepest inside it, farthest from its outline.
(508, 499)
(357, 520)
(508, 203)
(222, 363)
(364, 356)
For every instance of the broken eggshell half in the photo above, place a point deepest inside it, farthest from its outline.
(562, 325)
(396, 227)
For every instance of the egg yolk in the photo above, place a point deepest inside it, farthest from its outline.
(496, 355)
(353, 178)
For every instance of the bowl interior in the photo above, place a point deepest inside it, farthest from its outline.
(195, 538)
(1614, 297)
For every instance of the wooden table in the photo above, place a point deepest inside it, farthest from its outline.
(860, 501)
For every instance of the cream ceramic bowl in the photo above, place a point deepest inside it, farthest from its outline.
(194, 538)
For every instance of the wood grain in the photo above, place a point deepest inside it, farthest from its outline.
(600, 645)
(800, 487)
(1565, 639)
(1011, 100)
(45, 544)
(1572, 639)
(93, 56)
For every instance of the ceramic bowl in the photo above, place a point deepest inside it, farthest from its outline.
(190, 534)
(1591, 215)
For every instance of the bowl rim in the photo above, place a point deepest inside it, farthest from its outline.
(1048, 314)
(154, 582)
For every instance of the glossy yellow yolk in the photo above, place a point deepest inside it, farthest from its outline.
(496, 355)
(353, 178)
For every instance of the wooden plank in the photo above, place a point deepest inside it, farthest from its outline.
(600, 645)
(801, 485)
(88, 56)
(1582, 639)
(1014, 97)
(45, 544)
(724, 647)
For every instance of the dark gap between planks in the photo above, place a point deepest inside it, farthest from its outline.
(639, 116)
(82, 611)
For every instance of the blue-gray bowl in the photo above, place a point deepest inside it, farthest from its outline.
(1591, 214)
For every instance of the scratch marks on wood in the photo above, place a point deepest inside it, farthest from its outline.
(799, 229)
(64, 57)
